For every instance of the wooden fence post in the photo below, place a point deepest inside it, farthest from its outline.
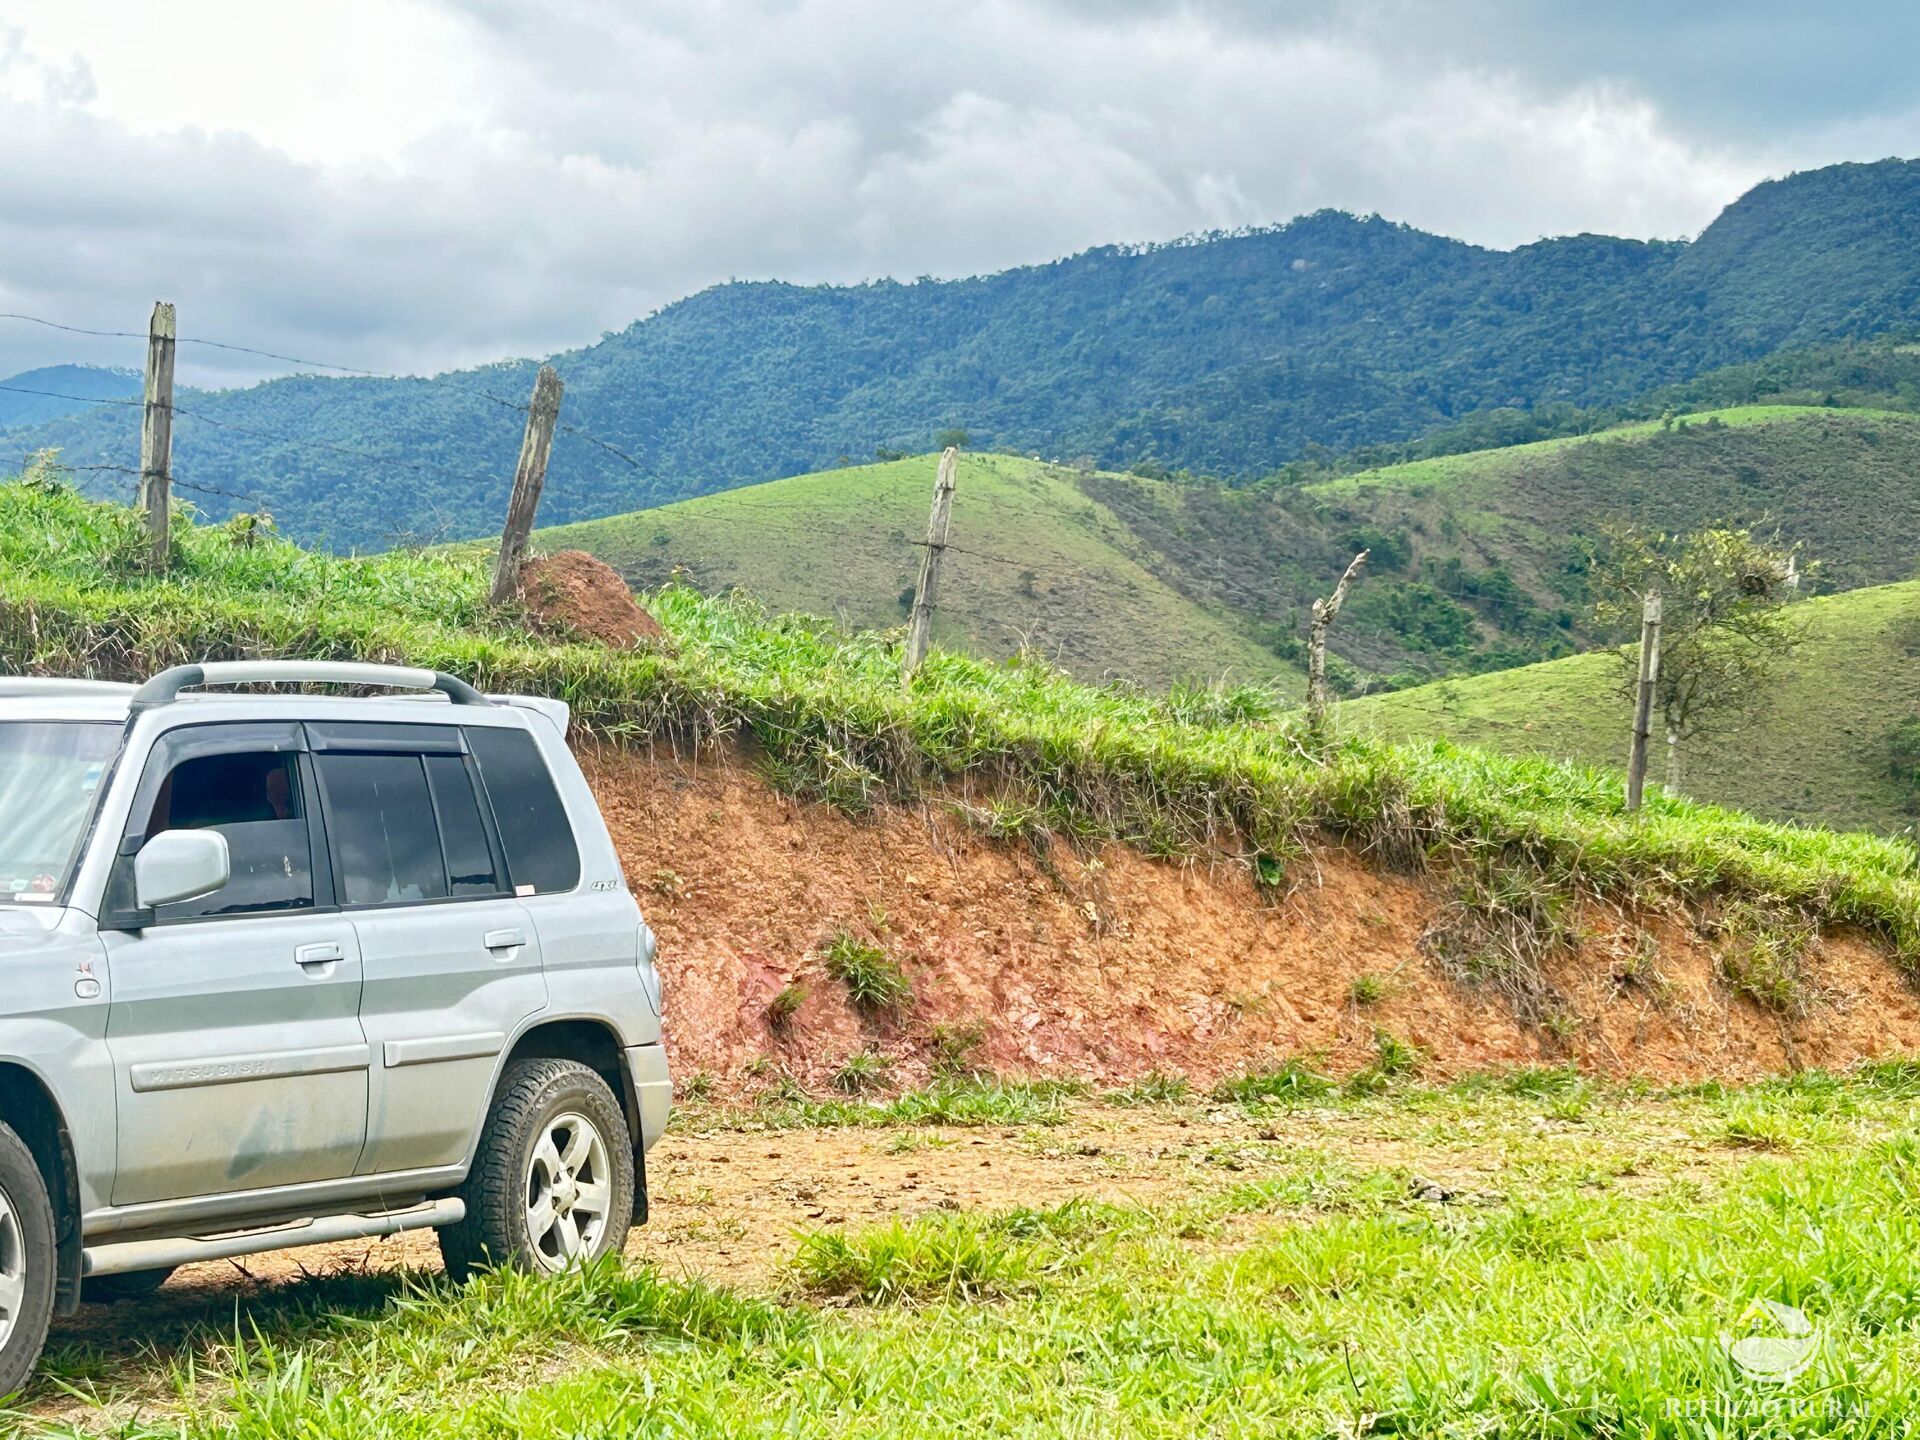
(920, 622)
(1643, 698)
(156, 435)
(1324, 612)
(528, 478)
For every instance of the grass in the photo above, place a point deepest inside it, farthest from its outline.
(1081, 591)
(785, 1005)
(946, 1258)
(1593, 1282)
(1286, 1083)
(860, 1072)
(1367, 990)
(1167, 583)
(831, 717)
(976, 1100)
(875, 982)
(1812, 749)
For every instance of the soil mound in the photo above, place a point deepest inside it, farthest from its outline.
(1109, 966)
(569, 595)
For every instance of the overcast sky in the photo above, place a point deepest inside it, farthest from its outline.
(411, 185)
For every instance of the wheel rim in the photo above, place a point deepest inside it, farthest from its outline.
(13, 1268)
(569, 1193)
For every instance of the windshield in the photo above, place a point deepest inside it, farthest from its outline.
(49, 770)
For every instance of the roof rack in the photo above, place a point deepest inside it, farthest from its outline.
(24, 687)
(165, 687)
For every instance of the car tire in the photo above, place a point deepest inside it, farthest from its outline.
(133, 1285)
(552, 1182)
(27, 1263)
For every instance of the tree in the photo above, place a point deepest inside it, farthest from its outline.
(950, 440)
(1726, 626)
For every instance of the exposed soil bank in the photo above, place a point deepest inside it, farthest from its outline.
(1108, 967)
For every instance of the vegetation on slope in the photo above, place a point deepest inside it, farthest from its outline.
(1821, 744)
(1038, 565)
(833, 721)
(1225, 356)
(1479, 560)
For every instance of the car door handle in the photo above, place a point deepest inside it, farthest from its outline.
(505, 939)
(317, 957)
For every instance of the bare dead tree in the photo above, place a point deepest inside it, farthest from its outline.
(1324, 612)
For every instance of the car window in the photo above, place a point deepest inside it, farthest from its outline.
(533, 825)
(463, 834)
(49, 772)
(254, 799)
(380, 825)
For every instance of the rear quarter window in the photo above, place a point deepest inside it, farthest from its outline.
(534, 830)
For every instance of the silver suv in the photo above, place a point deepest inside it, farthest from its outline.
(286, 968)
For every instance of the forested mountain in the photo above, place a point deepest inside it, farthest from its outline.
(35, 396)
(1226, 356)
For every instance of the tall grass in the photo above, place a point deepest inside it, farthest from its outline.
(828, 712)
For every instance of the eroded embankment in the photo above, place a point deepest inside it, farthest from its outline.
(1106, 966)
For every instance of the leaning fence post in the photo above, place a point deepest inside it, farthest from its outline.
(1643, 698)
(528, 478)
(920, 622)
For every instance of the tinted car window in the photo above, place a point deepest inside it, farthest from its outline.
(252, 798)
(534, 831)
(463, 835)
(386, 848)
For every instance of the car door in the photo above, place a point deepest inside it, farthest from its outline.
(234, 1025)
(451, 961)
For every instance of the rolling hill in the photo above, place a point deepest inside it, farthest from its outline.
(1227, 355)
(1815, 748)
(1477, 561)
(1037, 564)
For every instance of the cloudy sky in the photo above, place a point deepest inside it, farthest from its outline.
(410, 185)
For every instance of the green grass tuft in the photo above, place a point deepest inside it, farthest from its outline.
(938, 1258)
(875, 982)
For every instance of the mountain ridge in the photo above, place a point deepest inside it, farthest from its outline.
(1226, 355)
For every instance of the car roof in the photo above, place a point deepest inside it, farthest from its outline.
(35, 698)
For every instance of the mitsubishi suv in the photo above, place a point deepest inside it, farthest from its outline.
(286, 967)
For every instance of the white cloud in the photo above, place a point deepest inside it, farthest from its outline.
(416, 185)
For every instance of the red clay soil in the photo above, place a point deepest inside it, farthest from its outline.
(569, 595)
(1108, 967)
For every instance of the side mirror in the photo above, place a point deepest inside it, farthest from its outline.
(180, 865)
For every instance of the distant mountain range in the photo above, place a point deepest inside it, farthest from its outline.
(1227, 356)
(34, 397)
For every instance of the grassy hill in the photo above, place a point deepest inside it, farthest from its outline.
(1478, 559)
(831, 720)
(1227, 355)
(1813, 749)
(1039, 565)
